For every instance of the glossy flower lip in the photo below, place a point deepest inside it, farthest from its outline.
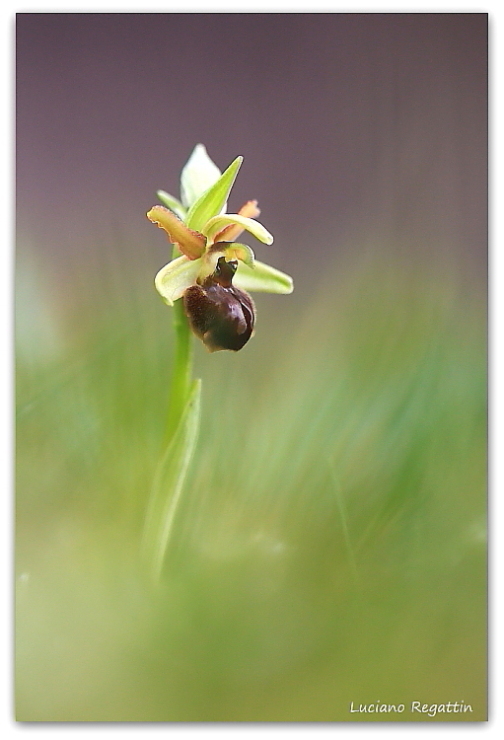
(202, 232)
(219, 313)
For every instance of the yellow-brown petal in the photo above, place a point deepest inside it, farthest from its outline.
(191, 243)
(232, 232)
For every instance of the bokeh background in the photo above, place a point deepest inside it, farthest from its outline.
(330, 545)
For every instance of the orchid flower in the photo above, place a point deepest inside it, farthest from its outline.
(210, 270)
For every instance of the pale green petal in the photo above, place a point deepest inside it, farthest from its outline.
(262, 279)
(172, 203)
(174, 278)
(212, 228)
(198, 174)
(214, 200)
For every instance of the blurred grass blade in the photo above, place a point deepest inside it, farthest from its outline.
(169, 482)
(214, 199)
(344, 525)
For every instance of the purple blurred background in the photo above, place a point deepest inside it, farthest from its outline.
(359, 131)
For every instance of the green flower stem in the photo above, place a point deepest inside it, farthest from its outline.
(179, 444)
(182, 370)
(182, 367)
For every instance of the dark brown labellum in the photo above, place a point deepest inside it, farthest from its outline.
(220, 314)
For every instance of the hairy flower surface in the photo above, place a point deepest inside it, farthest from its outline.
(210, 270)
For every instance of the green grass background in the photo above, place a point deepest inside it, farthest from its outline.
(330, 543)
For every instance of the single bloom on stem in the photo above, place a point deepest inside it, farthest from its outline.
(210, 271)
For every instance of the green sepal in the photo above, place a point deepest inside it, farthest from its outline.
(262, 279)
(172, 203)
(214, 199)
(199, 174)
(174, 278)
